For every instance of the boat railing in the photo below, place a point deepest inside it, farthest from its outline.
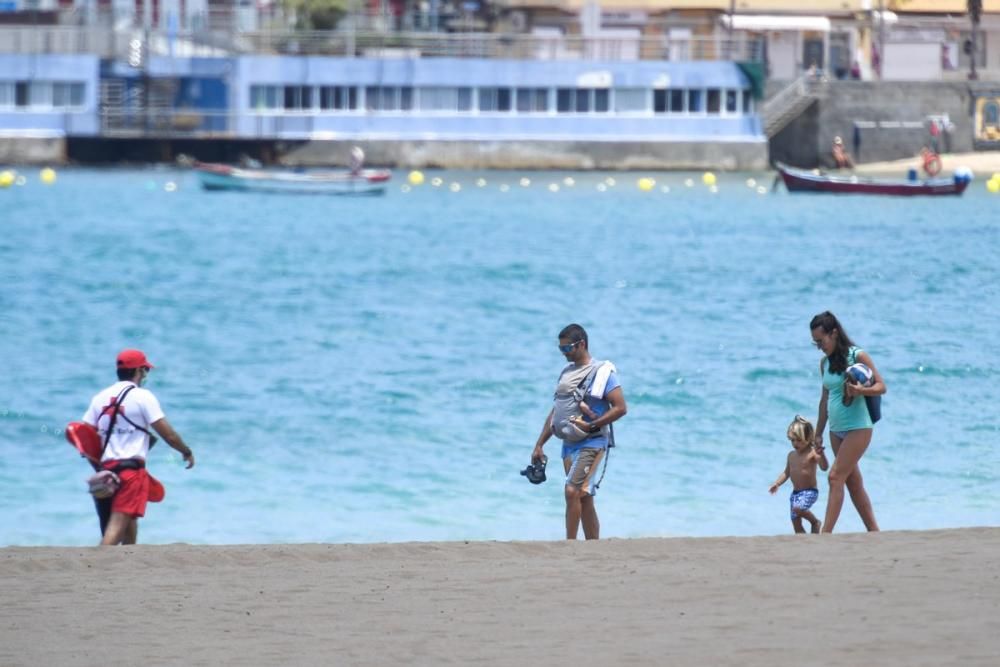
(163, 123)
(130, 43)
(498, 46)
(167, 123)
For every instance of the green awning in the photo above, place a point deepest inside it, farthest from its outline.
(758, 76)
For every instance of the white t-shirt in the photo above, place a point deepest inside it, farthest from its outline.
(126, 440)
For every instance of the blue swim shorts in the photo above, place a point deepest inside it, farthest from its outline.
(802, 499)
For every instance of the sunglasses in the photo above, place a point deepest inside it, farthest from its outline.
(566, 349)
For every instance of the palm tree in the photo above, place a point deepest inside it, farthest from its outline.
(975, 8)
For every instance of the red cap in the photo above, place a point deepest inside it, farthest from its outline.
(133, 359)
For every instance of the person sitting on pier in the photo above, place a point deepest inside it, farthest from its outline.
(841, 159)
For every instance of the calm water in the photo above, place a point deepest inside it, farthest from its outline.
(378, 369)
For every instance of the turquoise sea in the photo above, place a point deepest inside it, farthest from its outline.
(368, 370)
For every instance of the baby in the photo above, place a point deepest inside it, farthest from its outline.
(801, 467)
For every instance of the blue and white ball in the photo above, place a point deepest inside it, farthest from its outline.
(859, 374)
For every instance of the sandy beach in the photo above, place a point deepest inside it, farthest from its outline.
(895, 598)
(982, 163)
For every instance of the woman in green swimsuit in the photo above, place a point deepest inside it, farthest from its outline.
(850, 423)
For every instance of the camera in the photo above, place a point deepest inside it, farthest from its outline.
(536, 471)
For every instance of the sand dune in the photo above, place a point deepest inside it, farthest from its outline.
(903, 598)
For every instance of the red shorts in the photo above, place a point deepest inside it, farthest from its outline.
(131, 497)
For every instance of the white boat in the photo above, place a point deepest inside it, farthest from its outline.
(225, 177)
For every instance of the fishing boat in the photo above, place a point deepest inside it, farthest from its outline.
(802, 180)
(225, 177)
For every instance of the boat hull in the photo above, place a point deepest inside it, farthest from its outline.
(799, 180)
(368, 182)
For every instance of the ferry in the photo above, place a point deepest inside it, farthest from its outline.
(477, 108)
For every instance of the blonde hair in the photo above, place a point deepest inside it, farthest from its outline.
(801, 429)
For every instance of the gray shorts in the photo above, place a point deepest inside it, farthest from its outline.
(581, 468)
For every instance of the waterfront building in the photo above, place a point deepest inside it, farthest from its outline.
(921, 39)
(571, 84)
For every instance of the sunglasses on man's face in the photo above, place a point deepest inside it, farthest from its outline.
(566, 349)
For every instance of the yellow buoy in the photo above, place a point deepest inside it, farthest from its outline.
(646, 184)
(993, 185)
(47, 175)
(708, 178)
(6, 178)
(416, 177)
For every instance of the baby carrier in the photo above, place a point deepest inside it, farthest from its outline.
(574, 384)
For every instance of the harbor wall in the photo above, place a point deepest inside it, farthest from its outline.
(446, 154)
(539, 154)
(878, 121)
(22, 150)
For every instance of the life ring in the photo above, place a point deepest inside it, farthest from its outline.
(932, 163)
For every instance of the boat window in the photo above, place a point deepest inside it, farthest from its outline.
(582, 100)
(21, 94)
(40, 94)
(731, 101)
(338, 98)
(564, 100)
(630, 100)
(433, 98)
(298, 97)
(531, 100)
(602, 102)
(263, 97)
(406, 98)
(695, 101)
(76, 94)
(714, 100)
(747, 102)
(677, 99)
(659, 101)
(495, 99)
(386, 98)
(67, 94)
(437, 99)
(6, 94)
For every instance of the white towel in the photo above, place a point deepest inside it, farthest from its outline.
(601, 379)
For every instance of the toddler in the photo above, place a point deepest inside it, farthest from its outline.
(801, 468)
